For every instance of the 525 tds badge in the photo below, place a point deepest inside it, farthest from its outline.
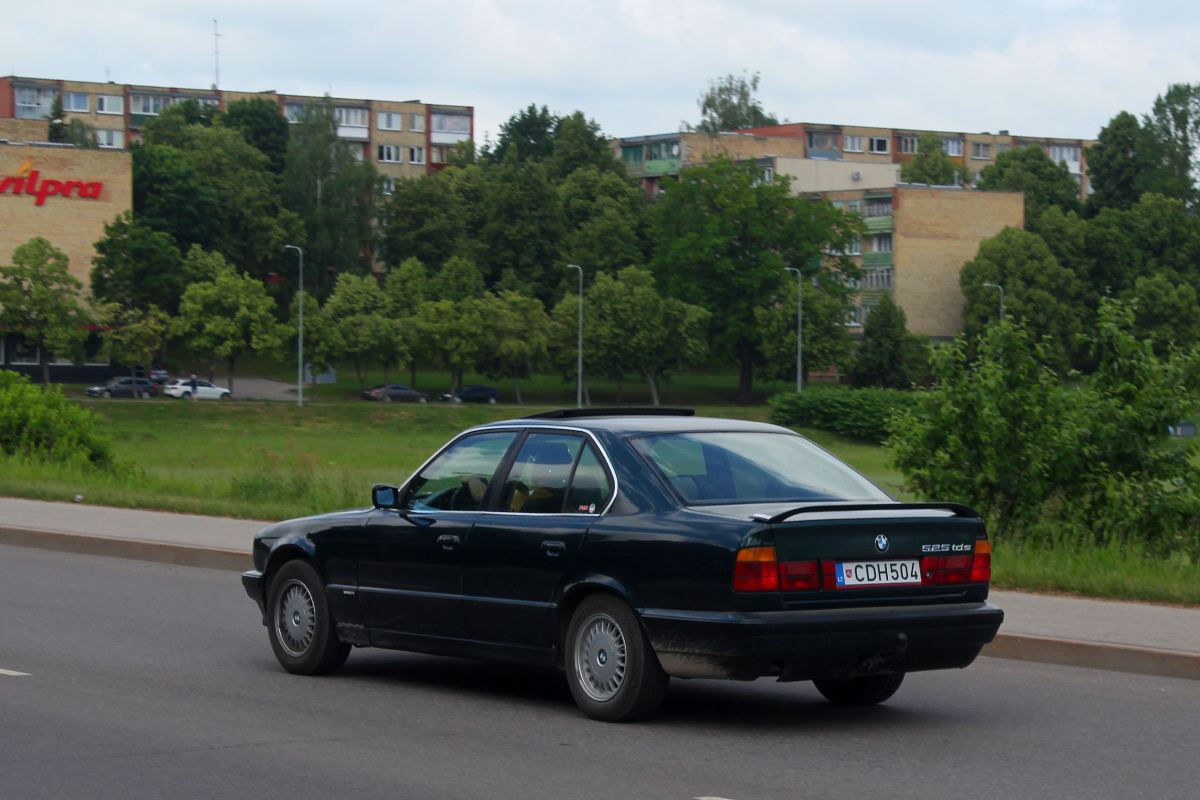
(946, 548)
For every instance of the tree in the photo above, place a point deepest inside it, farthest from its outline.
(998, 432)
(333, 193)
(632, 328)
(1044, 296)
(229, 316)
(73, 131)
(604, 222)
(579, 143)
(137, 267)
(259, 120)
(1174, 128)
(723, 238)
(131, 335)
(932, 165)
(518, 243)
(528, 135)
(407, 287)
(1030, 170)
(1121, 165)
(1157, 234)
(1166, 312)
(458, 279)
(170, 197)
(40, 300)
(826, 341)
(421, 220)
(889, 356)
(358, 327)
(729, 105)
(518, 332)
(455, 333)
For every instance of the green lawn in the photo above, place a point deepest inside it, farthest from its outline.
(275, 460)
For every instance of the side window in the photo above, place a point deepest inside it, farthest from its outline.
(457, 480)
(590, 487)
(537, 482)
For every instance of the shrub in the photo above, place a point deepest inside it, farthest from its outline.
(40, 423)
(855, 413)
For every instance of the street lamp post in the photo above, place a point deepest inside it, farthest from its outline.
(799, 321)
(300, 338)
(1001, 288)
(579, 365)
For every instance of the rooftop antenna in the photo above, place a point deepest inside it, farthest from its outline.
(216, 56)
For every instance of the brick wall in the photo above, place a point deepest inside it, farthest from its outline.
(73, 223)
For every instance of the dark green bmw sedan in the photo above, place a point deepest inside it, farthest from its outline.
(627, 547)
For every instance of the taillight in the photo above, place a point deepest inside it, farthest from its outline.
(758, 569)
(975, 568)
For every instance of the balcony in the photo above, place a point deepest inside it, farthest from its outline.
(877, 261)
(660, 166)
(880, 224)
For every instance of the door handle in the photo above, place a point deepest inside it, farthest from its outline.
(554, 548)
(448, 541)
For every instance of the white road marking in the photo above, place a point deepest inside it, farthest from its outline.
(12, 673)
(710, 798)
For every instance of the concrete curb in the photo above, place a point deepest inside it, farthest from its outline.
(1095, 655)
(160, 552)
(1020, 647)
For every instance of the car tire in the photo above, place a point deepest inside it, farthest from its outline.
(422, 399)
(491, 401)
(613, 672)
(145, 395)
(299, 623)
(865, 691)
(225, 395)
(106, 394)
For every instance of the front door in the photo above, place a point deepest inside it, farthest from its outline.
(410, 564)
(518, 553)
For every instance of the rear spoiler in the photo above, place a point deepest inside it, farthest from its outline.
(958, 509)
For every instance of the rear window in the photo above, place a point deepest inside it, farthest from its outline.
(722, 468)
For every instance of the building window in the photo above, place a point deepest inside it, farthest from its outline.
(110, 139)
(855, 247)
(416, 155)
(352, 117)
(981, 150)
(854, 206)
(1002, 148)
(148, 104)
(451, 123)
(879, 144)
(77, 102)
(881, 243)
(417, 123)
(660, 151)
(388, 186)
(110, 104)
(877, 279)
(852, 144)
(1067, 153)
(390, 121)
(909, 144)
(854, 317)
(24, 353)
(440, 154)
(391, 153)
(953, 147)
(293, 111)
(822, 140)
(878, 207)
(35, 103)
(632, 154)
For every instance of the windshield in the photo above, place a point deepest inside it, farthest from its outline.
(725, 468)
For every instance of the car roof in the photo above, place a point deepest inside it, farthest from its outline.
(633, 425)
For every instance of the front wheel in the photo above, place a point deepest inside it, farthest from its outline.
(422, 399)
(612, 671)
(865, 691)
(106, 394)
(491, 401)
(145, 395)
(300, 625)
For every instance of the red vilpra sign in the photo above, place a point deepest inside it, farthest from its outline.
(26, 181)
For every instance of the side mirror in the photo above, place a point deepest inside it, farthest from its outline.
(385, 495)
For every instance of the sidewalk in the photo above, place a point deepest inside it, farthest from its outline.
(1103, 634)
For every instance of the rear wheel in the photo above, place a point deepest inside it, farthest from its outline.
(491, 401)
(300, 625)
(106, 393)
(422, 399)
(864, 691)
(612, 671)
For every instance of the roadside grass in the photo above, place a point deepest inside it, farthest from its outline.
(1126, 571)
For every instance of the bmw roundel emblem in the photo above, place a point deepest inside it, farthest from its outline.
(881, 543)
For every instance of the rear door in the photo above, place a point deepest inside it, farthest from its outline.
(519, 552)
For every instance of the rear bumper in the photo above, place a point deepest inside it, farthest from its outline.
(806, 645)
(252, 581)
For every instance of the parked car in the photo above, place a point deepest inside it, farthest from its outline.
(473, 393)
(123, 387)
(158, 376)
(629, 546)
(182, 387)
(395, 392)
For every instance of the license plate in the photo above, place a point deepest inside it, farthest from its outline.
(878, 573)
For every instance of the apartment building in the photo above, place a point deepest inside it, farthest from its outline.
(917, 239)
(653, 157)
(405, 139)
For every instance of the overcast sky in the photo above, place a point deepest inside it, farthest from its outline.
(1036, 67)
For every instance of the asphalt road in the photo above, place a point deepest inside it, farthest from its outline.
(149, 680)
